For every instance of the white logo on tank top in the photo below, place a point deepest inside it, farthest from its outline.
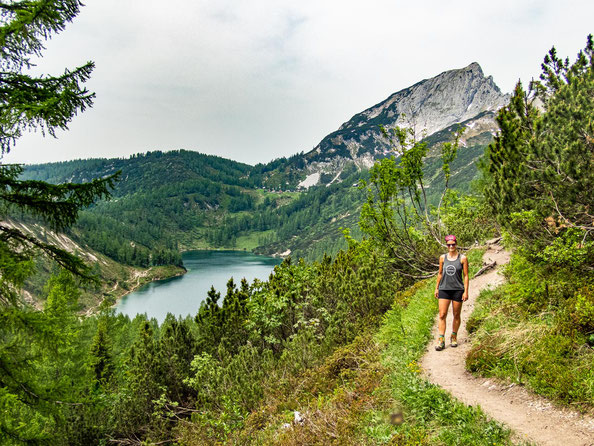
(450, 270)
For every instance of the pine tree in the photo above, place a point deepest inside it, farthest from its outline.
(209, 319)
(540, 168)
(144, 384)
(178, 347)
(46, 103)
(100, 360)
(233, 317)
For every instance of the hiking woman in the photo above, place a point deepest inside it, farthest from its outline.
(450, 288)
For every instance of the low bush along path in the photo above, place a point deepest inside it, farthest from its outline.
(531, 417)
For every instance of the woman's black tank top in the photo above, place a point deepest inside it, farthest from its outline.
(451, 278)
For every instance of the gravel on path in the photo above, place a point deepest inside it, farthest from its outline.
(531, 417)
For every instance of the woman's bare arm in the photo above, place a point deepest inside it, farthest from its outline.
(466, 277)
(439, 276)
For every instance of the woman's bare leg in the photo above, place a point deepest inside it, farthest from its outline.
(456, 310)
(444, 304)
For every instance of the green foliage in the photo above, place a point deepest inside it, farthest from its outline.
(19, 423)
(200, 201)
(538, 166)
(100, 357)
(535, 332)
(538, 177)
(467, 216)
(352, 396)
(429, 413)
(42, 373)
(397, 213)
(45, 102)
(43, 366)
(568, 250)
(142, 385)
(289, 324)
(183, 190)
(57, 206)
(60, 304)
(125, 379)
(302, 337)
(581, 310)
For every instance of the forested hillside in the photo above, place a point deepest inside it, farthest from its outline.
(323, 351)
(168, 202)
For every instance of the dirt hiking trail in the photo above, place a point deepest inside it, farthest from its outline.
(532, 418)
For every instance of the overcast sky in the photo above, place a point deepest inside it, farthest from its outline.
(257, 80)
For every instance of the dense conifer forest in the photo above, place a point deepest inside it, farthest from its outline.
(166, 202)
(311, 337)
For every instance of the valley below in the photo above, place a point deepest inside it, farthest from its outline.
(173, 297)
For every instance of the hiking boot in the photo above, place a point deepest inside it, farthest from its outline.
(454, 340)
(440, 344)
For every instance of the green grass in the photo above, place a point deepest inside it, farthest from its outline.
(284, 197)
(252, 240)
(351, 397)
(430, 415)
(539, 349)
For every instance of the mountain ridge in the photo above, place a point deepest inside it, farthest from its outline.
(427, 107)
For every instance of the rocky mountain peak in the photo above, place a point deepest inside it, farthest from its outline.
(436, 103)
(429, 106)
(474, 66)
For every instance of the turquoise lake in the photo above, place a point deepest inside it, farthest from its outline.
(182, 295)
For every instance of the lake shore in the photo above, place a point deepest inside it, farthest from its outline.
(183, 295)
(140, 277)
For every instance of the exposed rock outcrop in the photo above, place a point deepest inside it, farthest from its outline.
(463, 95)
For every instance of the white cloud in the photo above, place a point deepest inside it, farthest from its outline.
(261, 79)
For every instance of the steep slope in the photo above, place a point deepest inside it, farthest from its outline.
(457, 96)
(115, 279)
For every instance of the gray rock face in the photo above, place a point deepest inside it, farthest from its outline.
(434, 104)
(428, 107)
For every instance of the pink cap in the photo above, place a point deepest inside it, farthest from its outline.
(450, 238)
